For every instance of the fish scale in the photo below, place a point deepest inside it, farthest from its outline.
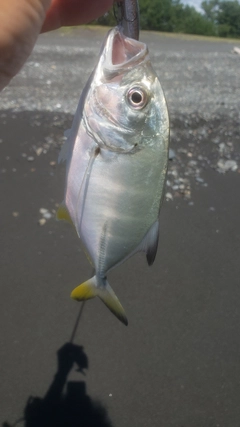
(116, 155)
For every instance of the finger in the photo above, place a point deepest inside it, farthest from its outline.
(74, 12)
(20, 24)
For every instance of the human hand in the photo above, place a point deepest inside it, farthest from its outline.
(69, 354)
(21, 21)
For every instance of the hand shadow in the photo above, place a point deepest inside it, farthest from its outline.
(74, 408)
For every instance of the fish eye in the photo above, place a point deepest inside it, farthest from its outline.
(137, 98)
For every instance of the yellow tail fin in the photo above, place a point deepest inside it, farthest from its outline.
(90, 289)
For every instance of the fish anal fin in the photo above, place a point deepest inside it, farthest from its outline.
(100, 287)
(63, 214)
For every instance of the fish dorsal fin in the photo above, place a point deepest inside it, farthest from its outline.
(152, 243)
(63, 214)
(149, 244)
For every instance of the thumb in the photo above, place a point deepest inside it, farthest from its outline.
(20, 24)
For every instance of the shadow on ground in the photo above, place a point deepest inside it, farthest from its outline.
(72, 408)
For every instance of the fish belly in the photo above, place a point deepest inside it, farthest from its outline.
(122, 202)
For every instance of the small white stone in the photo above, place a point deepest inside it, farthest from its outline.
(47, 215)
(42, 221)
(231, 165)
(171, 154)
(43, 211)
(169, 196)
(224, 166)
(38, 151)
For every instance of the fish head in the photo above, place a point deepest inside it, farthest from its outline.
(125, 109)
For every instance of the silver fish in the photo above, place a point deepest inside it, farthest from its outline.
(116, 154)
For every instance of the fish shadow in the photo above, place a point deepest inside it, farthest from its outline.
(60, 408)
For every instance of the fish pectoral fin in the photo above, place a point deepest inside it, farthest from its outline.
(101, 288)
(149, 243)
(63, 214)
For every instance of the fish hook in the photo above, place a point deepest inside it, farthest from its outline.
(126, 13)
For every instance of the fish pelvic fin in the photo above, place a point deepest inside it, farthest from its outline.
(63, 214)
(97, 286)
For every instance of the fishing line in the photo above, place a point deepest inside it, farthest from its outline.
(77, 322)
(73, 334)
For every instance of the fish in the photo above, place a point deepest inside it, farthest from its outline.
(116, 156)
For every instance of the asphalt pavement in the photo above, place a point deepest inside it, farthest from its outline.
(177, 363)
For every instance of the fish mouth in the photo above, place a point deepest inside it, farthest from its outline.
(123, 52)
